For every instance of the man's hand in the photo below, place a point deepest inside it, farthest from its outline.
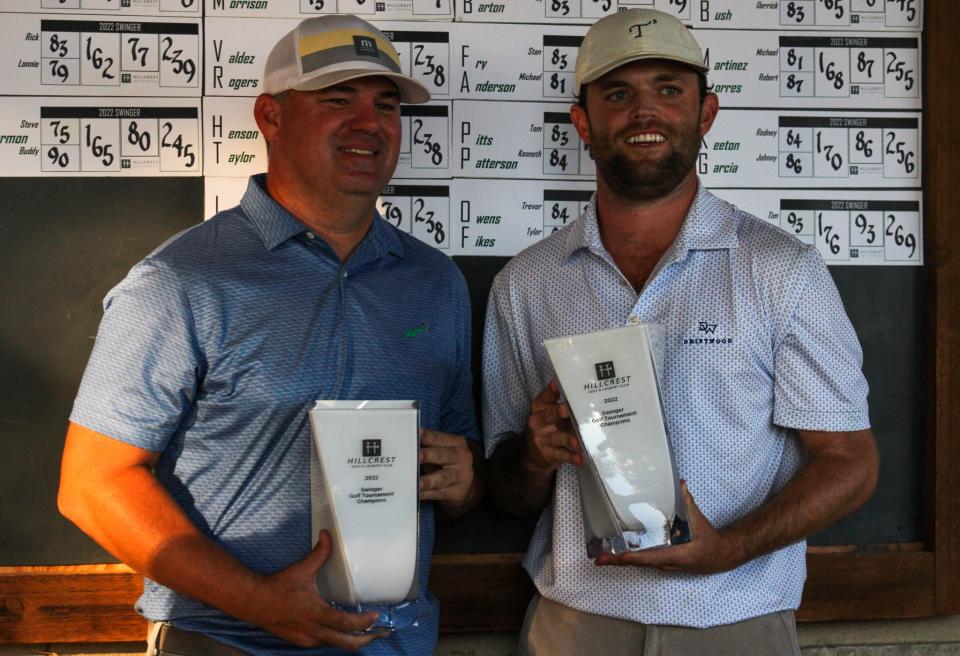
(839, 476)
(288, 605)
(709, 550)
(107, 487)
(522, 467)
(452, 472)
(550, 439)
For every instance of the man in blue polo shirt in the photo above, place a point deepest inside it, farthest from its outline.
(188, 454)
(762, 386)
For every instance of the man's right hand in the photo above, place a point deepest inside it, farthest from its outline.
(288, 605)
(522, 468)
(549, 440)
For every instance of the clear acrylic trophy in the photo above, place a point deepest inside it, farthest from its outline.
(364, 480)
(629, 488)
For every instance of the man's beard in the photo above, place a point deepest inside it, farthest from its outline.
(645, 181)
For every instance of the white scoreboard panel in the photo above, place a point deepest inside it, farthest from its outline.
(768, 148)
(237, 49)
(866, 15)
(100, 137)
(847, 226)
(371, 10)
(780, 69)
(235, 147)
(111, 7)
(819, 131)
(100, 55)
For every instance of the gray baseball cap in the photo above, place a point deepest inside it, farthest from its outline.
(326, 50)
(634, 34)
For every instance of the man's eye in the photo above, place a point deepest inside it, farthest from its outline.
(617, 96)
(671, 91)
(388, 107)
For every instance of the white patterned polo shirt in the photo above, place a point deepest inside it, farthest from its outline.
(757, 344)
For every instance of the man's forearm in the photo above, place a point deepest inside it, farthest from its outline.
(517, 487)
(839, 476)
(833, 483)
(160, 543)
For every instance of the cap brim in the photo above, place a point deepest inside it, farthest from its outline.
(698, 66)
(411, 91)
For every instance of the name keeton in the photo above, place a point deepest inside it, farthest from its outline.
(376, 460)
(600, 384)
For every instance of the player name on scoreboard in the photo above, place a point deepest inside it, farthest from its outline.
(237, 50)
(536, 62)
(367, 9)
(90, 137)
(101, 56)
(867, 15)
(486, 217)
(234, 146)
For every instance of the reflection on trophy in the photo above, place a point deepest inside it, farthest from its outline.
(629, 488)
(364, 491)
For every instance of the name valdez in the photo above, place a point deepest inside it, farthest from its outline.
(606, 382)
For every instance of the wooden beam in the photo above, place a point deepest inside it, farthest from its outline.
(486, 592)
(941, 172)
(85, 603)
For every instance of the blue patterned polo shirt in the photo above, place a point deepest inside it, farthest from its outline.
(757, 345)
(213, 347)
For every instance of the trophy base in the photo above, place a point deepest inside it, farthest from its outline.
(628, 541)
(393, 617)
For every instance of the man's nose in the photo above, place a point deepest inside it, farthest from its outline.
(365, 118)
(643, 104)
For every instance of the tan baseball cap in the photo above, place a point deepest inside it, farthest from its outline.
(327, 50)
(634, 34)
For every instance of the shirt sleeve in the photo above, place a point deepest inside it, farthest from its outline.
(143, 373)
(459, 412)
(505, 404)
(819, 382)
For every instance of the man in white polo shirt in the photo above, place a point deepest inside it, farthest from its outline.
(767, 412)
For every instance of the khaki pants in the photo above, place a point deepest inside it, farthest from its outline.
(166, 640)
(552, 629)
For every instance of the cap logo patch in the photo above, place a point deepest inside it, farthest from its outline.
(365, 46)
(636, 29)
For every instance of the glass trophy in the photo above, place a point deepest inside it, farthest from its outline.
(365, 492)
(629, 488)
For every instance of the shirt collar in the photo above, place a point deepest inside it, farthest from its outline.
(276, 225)
(710, 224)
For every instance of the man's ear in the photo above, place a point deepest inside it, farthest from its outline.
(708, 112)
(581, 121)
(267, 112)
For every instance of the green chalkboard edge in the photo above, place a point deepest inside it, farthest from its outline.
(93, 603)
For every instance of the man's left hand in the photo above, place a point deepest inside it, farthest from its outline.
(449, 471)
(708, 551)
